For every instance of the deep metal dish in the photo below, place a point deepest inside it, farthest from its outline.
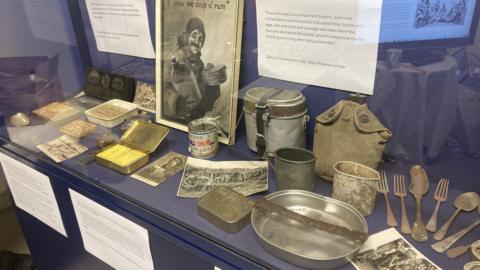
(302, 245)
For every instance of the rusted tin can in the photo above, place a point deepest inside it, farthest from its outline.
(355, 184)
(202, 134)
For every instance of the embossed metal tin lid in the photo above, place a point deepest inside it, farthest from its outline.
(225, 208)
(145, 136)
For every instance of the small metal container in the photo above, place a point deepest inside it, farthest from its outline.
(294, 169)
(111, 113)
(203, 139)
(274, 118)
(355, 184)
(475, 249)
(225, 208)
(303, 245)
(136, 144)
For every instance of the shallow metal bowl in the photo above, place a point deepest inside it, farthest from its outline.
(303, 245)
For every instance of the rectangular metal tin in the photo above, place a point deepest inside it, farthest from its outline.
(106, 115)
(226, 209)
(141, 136)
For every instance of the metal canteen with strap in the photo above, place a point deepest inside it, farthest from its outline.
(274, 118)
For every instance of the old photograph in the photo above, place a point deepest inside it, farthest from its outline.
(55, 111)
(440, 12)
(62, 148)
(161, 169)
(78, 128)
(389, 250)
(198, 49)
(145, 96)
(202, 176)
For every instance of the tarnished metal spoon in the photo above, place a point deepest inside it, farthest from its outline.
(464, 202)
(418, 187)
(446, 243)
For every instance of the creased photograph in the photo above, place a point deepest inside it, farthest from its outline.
(388, 250)
(62, 148)
(161, 169)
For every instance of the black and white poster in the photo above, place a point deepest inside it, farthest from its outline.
(440, 12)
(198, 51)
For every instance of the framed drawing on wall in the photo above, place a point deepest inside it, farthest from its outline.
(198, 46)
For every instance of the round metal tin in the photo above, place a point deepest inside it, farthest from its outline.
(203, 139)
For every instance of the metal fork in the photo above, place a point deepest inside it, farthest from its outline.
(399, 191)
(441, 194)
(383, 188)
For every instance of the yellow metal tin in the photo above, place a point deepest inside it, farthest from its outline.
(135, 145)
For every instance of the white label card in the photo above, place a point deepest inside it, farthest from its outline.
(326, 43)
(32, 192)
(50, 20)
(121, 26)
(110, 237)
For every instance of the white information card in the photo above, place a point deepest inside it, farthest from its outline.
(32, 192)
(121, 26)
(326, 43)
(110, 237)
(50, 20)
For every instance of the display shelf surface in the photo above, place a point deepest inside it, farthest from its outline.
(162, 201)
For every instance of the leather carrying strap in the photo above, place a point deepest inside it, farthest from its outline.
(262, 114)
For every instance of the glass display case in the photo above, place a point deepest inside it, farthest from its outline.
(55, 71)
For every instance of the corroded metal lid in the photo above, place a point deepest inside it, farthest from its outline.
(281, 102)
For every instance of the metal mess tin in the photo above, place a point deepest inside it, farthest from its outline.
(225, 208)
(281, 116)
(303, 245)
(136, 144)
